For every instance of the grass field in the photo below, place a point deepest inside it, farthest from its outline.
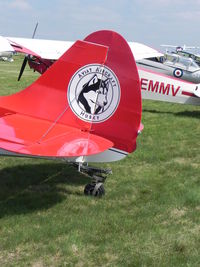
(150, 215)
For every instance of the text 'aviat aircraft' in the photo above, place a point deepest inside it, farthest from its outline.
(171, 78)
(85, 108)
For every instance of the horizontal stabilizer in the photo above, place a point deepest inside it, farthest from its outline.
(30, 136)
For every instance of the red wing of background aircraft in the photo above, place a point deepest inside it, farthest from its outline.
(85, 108)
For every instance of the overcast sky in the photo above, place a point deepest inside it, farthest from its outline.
(152, 22)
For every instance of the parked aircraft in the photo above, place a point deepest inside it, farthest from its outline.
(175, 65)
(176, 62)
(175, 77)
(6, 50)
(186, 51)
(85, 108)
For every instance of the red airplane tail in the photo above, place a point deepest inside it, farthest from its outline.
(86, 103)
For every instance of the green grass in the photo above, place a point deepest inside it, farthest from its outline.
(150, 215)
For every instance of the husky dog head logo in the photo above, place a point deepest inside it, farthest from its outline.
(94, 93)
(93, 96)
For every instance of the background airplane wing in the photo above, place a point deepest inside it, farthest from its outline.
(47, 49)
(141, 51)
(5, 45)
(52, 49)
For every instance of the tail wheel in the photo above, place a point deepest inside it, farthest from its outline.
(93, 189)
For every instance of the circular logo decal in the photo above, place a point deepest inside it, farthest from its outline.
(94, 93)
(178, 73)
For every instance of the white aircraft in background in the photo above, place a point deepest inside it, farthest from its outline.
(185, 51)
(182, 65)
(6, 50)
(155, 84)
(177, 61)
(174, 65)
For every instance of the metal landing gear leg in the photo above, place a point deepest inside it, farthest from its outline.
(98, 177)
